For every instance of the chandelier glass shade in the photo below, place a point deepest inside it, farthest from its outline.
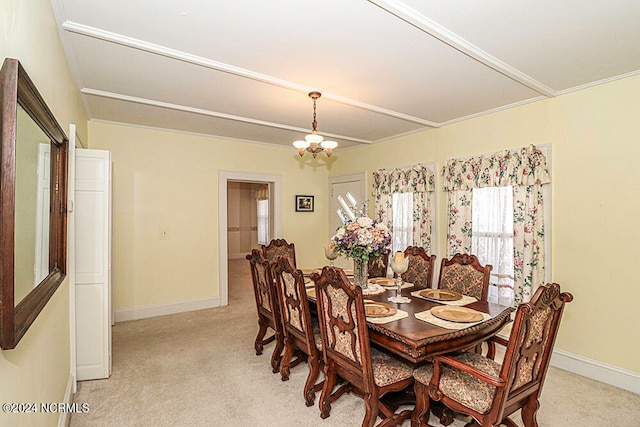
(314, 142)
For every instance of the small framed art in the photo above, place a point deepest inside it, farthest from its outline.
(304, 203)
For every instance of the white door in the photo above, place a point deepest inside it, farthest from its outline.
(340, 186)
(93, 263)
(42, 214)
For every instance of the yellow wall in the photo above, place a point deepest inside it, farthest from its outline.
(37, 370)
(171, 179)
(595, 143)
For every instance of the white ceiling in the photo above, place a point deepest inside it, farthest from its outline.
(243, 69)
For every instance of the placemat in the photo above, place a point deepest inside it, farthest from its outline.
(463, 301)
(426, 316)
(373, 289)
(391, 288)
(401, 314)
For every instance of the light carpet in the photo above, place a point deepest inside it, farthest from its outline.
(200, 369)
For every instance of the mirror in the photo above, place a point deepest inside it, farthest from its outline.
(33, 193)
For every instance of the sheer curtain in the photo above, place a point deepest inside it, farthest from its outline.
(402, 222)
(492, 238)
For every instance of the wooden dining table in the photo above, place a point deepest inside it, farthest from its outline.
(418, 341)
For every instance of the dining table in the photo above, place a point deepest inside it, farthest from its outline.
(416, 340)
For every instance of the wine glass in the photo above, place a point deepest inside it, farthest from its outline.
(399, 265)
(330, 253)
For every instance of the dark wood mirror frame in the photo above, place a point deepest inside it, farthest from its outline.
(16, 88)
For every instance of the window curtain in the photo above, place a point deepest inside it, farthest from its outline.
(492, 238)
(402, 235)
(526, 171)
(418, 180)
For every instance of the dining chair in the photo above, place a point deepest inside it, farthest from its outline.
(377, 267)
(267, 306)
(277, 248)
(420, 271)
(348, 354)
(301, 336)
(489, 392)
(464, 274)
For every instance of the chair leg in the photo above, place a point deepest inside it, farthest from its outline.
(286, 359)
(309, 386)
(371, 410)
(529, 412)
(491, 350)
(422, 406)
(262, 331)
(276, 357)
(325, 396)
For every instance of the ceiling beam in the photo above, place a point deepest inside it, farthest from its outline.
(108, 36)
(200, 111)
(426, 25)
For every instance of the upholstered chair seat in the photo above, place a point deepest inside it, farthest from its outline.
(388, 370)
(461, 386)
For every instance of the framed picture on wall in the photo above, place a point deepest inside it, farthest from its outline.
(304, 203)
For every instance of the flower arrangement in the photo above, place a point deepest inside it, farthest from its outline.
(362, 238)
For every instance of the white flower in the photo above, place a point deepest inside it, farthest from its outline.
(382, 226)
(365, 222)
(340, 233)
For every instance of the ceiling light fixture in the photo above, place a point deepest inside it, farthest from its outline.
(313, 142)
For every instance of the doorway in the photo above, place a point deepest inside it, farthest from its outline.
(248, 217)
(225, 178)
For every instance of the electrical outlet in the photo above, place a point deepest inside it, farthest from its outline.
(164, 233)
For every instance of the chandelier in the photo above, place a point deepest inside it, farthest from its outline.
(313, 142)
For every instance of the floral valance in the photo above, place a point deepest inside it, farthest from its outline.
(528, 166)
(418, 179)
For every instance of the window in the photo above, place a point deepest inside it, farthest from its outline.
(402, 204)
(263, 222)
(492, 238)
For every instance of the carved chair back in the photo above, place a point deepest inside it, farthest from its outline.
(343, 327)
(347, 352)
(377, 267)
(278, 248)
(267, 305)
(531, 342)
(464, 274)
(294, 306)
(489, 392)
(420, 271)
(298, 328)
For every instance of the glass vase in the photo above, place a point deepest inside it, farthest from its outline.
(360, 273)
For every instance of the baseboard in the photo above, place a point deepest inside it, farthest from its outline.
(135, 313)
(65, 416)
(603, 372)
(596, 370)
